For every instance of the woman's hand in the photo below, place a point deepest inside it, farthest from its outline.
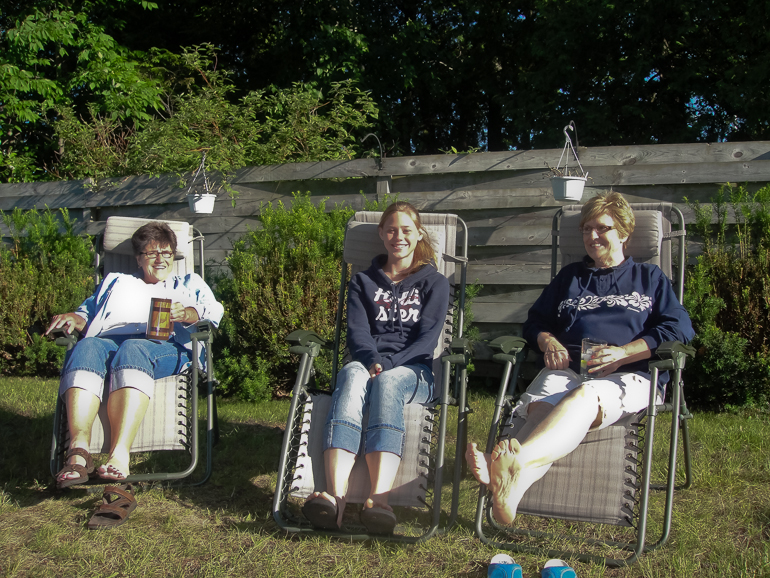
(69, 321)
(182, 314)
(555, 354)
(375, 370)
(610, 358)
(606, 360)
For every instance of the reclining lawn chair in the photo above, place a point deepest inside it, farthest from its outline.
(606, 480)
(420, 476)
(171, 420)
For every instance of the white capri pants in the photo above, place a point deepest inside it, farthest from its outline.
(619, 394)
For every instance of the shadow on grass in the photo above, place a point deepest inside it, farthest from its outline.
(26, 448)
(245, 461)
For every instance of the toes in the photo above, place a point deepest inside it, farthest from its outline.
(110, 472)
(514, 446)
(500, 449)
(370, 503)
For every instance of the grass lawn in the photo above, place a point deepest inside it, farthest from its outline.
(225, 528)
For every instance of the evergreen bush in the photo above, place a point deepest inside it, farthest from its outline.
(45, 269)
(727, 294)
(284, 276)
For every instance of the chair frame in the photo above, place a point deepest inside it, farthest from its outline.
(308, 345)
(511, 352)
(197, 380)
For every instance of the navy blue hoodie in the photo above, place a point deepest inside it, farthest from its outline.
(396, 332)
(617, 305)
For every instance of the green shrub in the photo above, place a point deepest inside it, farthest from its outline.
(284, 276)
(727, 294)
(45, 269)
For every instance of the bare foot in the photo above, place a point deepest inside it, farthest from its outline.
(324, 495)
(510, 479)
(504, 470)
(378, 501)
(478, 462)
(113, 470)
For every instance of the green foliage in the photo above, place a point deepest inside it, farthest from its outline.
(46, 269)
(728, 296)
(54, 57)
(285, 276)
(203, 113)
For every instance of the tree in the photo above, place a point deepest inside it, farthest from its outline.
(202, 113)
(446, 74)
(53, 59)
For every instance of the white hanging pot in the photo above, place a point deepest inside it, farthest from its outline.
(568, 188)
(201, 203)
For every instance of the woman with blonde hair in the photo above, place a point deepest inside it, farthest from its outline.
(396, 312)
(606, 296)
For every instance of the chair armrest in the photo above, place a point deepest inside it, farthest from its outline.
(508, 344)
(507, 348)
(459, 352)
(668, 349)
(671, 355)
(204, 330)
(63, 338)
(205, 326)
(303, 337)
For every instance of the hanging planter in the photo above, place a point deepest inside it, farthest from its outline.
(568, 188)
(568, 184)
(201, 202)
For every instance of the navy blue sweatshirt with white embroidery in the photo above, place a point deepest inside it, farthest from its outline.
(617, 305)
(400, 331)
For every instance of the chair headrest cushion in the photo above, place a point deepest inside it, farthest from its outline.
(363, 243)
(644, 244)
(118, 232)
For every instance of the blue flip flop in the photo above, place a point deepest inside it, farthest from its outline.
(557, 569)
(503, 566)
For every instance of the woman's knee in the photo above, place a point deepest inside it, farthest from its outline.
(90, 354)
(583, 392)
(352, 379)
(350, 393)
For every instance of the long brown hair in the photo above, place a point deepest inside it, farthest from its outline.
(423, 252)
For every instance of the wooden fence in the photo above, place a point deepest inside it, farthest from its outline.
(505, 198)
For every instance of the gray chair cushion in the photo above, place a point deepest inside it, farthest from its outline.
(410, 484)
(160, 429)
(595, 483)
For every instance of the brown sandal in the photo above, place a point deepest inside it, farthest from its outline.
(84, 472)
(324, 514)
(114, 511)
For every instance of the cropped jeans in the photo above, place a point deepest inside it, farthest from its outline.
(385, 397)
(128, 362)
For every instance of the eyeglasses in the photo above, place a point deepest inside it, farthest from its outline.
(599, 230)
(154, 254)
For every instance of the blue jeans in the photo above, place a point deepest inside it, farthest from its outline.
(127, 362)
(385, 395)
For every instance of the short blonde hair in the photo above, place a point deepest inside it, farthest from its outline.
(613, 204)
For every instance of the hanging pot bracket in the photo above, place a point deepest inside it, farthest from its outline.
(568, 184)
(569, 151)
(201, 201)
